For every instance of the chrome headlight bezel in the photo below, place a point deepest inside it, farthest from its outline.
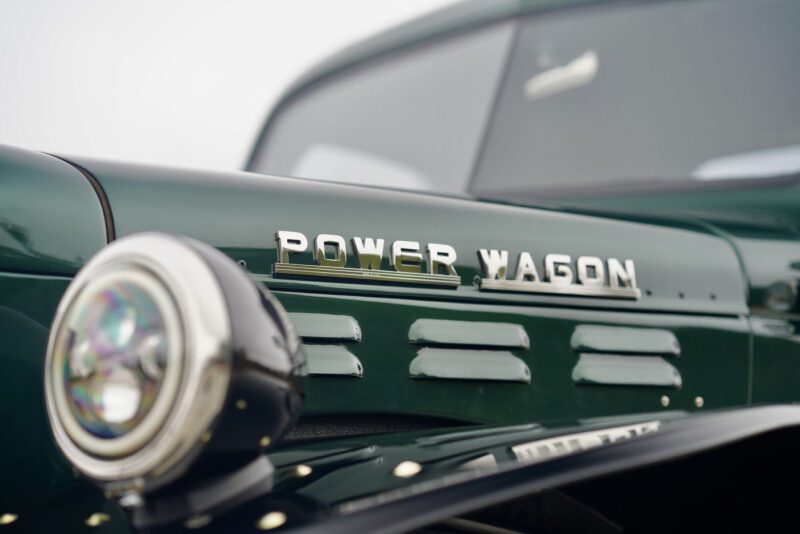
(166, 437)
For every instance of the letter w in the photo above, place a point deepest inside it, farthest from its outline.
(494, 263)
(369, 252)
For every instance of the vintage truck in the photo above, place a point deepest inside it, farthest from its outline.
(515, 266)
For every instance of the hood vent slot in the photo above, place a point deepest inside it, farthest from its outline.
(618, 370)
(621, 356)
(322, 336)
(468, 334)
(333, 360)
(324, 327)
(463, 364)
(464, 359)
(623, 340)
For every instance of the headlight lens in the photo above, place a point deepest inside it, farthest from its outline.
(116, 358)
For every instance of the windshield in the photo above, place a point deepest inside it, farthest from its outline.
(592, 99)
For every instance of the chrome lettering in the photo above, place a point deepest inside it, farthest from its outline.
(369, 252)
(290, 243)
(584, 277)
(405, 257)
(336, 241)
(619, 276)
(557, 269)
(441, 256)
(526, 268)
(494, 263)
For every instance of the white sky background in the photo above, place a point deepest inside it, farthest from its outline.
(175, 82)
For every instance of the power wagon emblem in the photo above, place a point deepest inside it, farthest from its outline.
(434, 265)
(405, 260)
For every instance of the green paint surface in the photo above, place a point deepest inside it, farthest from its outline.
(51, 221)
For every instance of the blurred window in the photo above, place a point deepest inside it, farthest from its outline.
(661, 95)
(411, 120)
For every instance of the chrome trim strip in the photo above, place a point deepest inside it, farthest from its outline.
(550, 448)
(369, 275)
(522, 286)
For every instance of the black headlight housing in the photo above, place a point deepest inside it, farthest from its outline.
(166, 361)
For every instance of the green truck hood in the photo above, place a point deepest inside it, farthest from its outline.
(759, 217)
(505, 358)
(681, 267)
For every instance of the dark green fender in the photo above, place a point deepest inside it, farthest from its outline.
(51, 223)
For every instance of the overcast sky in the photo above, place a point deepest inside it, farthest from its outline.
(176, 82)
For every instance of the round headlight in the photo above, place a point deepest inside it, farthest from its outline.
(156, 345)
(117, 361)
